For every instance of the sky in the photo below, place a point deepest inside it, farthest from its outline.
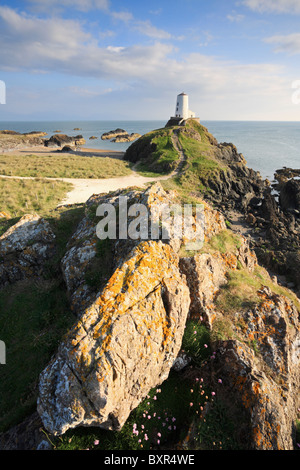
(129, 59)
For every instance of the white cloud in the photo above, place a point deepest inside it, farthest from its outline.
(89, 93)
(63, 46)
(143, 27)
(81, 5)
(235, 17)
(274, 6)
(146, 28)
(289, 44)
(125, 16)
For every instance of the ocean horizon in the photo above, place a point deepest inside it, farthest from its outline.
(266, 145)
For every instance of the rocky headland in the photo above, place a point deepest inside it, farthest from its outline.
(134, 301)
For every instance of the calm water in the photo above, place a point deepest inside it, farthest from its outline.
(267, 146)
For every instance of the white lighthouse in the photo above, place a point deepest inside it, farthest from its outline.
(182, 111)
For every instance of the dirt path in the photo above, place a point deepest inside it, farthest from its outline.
(85, 188)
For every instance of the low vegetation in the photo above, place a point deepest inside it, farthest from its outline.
(34, 314)
(161, 155)
(62, 166)
(19, 197)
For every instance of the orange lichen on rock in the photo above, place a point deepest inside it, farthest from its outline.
(126, 340)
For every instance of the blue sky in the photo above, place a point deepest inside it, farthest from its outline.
(128, 59)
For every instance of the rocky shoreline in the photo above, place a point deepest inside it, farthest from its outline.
(130, 322)
(12, 140)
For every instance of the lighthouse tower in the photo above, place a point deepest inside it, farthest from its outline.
(182, 112)
(182, 106)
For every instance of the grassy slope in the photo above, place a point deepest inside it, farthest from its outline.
(163, 159)
(34, 315)
(62, 166)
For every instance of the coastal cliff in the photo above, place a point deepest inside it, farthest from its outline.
(148, 313)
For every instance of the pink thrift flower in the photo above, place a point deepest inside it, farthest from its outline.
(96, 442)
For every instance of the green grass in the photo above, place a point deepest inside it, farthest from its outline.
(19, 197)
(217, 431)
(63, 166)
(34, 315)
(224, 242)
(163, 159)
(196, 341)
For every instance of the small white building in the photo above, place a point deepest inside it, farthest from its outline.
(182, 111)
(182, 107)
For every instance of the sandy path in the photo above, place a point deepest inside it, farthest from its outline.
(83, 189)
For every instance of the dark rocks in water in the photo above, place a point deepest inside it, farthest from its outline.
(8, 132)
(112, 134)
(126, 138)
(58, 140)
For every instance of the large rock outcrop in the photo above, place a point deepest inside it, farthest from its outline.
(206, 273)
(130, 327)
(123, 345)
(260, 384)
(24, 249)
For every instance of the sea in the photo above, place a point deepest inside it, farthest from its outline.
(266, 146)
